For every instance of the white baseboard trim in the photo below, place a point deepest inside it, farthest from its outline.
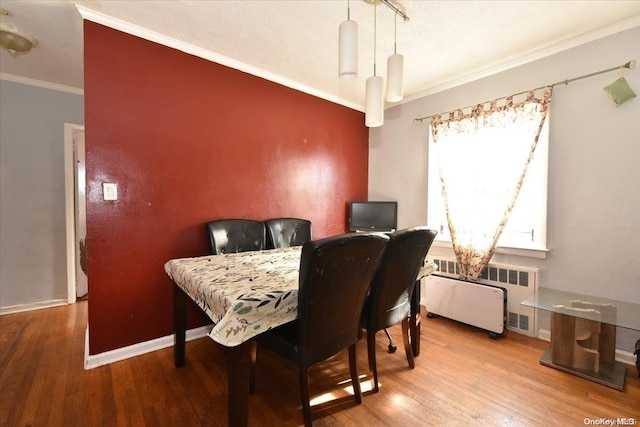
(544, 334)
(95, 360)
(32, 306)
(625, 357)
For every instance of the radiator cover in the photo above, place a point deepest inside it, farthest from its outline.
(480, 305)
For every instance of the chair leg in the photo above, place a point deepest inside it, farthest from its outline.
(304, 396)
(407, 344)
(252, 371)
(353, 367)
(371, 353)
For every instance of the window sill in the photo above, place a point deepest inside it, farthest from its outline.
(502, 250)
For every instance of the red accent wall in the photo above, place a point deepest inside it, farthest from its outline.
(188, 141)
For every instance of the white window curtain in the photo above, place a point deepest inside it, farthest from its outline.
(479, 188)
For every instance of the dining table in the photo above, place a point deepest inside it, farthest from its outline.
(245, 294)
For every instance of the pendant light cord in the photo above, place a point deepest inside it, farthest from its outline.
(375, 25)
(395, 25)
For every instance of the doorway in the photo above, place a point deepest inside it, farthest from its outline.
(76, 212)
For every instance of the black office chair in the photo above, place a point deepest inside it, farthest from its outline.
(389, 298)
(335, 274)
(287, 232)
(235, 235)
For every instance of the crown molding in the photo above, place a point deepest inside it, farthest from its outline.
(598, 34)
(135, 30)
(41, 83)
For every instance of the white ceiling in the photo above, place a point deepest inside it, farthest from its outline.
(295, 42)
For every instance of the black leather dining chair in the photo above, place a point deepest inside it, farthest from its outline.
(235, 235)
(286, 232)
(389, 298)
(335, 274)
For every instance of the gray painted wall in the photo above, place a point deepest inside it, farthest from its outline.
(32, 193)
(594, 168)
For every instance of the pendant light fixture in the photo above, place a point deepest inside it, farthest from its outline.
(348, 66)
(395, 70)
(348, 46)
(374, 108)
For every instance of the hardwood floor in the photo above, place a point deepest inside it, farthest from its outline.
(462, 377)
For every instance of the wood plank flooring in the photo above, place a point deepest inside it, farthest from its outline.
(462, 378)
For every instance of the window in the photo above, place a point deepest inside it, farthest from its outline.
(527, 224)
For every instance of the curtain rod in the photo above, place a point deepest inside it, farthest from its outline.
(630, 65)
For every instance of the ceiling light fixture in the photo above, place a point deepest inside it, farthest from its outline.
(374, 108)
(348, 45)
(15, 40)
(395, 70)
(391, 6)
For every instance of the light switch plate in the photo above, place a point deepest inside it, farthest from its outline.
(110, 190)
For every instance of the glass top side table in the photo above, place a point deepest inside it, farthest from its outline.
(583, 333)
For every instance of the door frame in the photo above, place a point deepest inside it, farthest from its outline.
(69, 195)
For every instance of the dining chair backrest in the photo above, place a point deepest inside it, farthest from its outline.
(287, 232)
(392, 287)
(335, 275)
(334, 278)
(235, 235)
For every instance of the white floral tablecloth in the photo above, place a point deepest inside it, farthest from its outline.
(244, 293)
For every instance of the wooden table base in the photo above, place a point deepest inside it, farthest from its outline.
(238, 363)
(610, 374)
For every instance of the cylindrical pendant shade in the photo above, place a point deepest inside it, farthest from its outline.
(374, 112)
(395, 71)
(348, 68)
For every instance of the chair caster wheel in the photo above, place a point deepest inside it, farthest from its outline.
(392, 348)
